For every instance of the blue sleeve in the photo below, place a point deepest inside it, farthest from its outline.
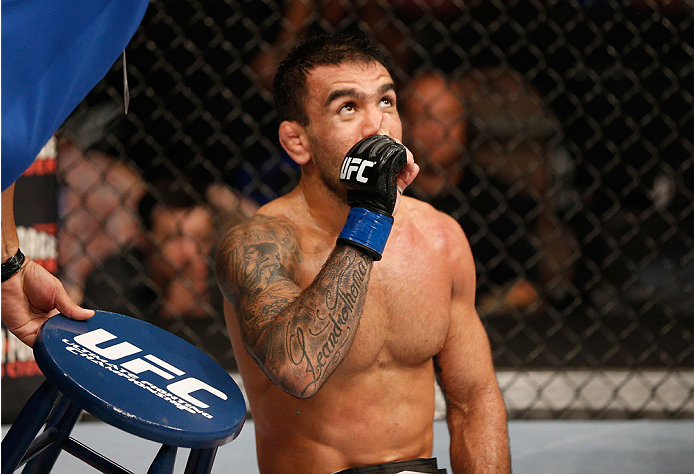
(53, 53)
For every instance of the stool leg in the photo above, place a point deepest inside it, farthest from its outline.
(165, 460)
(200, 461)
(96, 460)
(26, 426)
(63, 418)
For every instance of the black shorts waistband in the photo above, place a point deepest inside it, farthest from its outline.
(422, 465)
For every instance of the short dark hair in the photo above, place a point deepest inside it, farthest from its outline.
(289, 86)
(168, 193)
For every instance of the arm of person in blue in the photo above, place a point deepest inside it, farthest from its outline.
(53, 53)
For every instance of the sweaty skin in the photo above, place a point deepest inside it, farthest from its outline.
(339, 355)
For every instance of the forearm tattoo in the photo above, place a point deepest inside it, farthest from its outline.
(298, 337)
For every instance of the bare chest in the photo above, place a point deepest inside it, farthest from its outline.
(407, 308)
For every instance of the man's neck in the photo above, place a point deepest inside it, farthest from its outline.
(327, 210)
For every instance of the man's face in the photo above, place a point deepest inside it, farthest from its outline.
(183, 239)
(346, 103)
(436, 126)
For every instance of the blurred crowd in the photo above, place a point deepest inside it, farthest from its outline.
(138, 231)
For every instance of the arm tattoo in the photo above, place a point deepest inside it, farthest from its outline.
(319, 338)
(298, 337)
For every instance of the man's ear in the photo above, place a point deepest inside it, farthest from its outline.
(295, 141)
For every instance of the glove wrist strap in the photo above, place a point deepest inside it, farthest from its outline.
(366, 230)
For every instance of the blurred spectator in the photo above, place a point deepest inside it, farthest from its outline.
(166, 277)
(98, 200)
(166, 274)
(384, 20)
(297, 19)
(230, 207)
(484, 144)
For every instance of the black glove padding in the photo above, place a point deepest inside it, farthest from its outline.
(370, 172)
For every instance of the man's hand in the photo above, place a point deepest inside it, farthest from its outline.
(31, 297)
(377, 170)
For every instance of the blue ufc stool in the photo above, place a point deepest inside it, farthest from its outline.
(131, 375)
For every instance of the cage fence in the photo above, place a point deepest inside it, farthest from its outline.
(558, 133)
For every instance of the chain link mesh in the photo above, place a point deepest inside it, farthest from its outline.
(571, 134)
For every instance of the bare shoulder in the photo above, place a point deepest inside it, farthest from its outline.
(439, 228)
(267, 224)
(261, 228)
(266, 237)
(446, 239)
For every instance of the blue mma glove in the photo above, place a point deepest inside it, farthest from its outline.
(369, 172)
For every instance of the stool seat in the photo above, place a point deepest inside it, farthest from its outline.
(134, 376)
(141, 379)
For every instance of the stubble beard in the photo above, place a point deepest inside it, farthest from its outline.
(329, 172)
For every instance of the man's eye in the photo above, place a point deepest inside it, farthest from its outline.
(387, 102)
(346, 109)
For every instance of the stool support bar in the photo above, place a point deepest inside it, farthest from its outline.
(20, 436)
(63, 419)
(97, 461)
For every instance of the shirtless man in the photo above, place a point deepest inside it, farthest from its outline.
(339, 349)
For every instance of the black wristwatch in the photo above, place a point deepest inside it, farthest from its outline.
(12, 265)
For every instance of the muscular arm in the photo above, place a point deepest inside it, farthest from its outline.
(10, 241)
(33, 294)
(297, 336)
(476, 413)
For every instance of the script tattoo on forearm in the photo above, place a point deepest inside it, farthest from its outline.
(319, 341)
(298, 337)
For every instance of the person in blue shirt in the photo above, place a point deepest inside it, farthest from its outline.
(44, 77)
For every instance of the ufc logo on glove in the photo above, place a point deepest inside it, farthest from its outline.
(371, 198)
(351, 164)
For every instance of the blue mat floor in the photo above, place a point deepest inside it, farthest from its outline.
(558, 447)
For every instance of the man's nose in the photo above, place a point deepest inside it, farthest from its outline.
(372, 122)
(187, 247)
